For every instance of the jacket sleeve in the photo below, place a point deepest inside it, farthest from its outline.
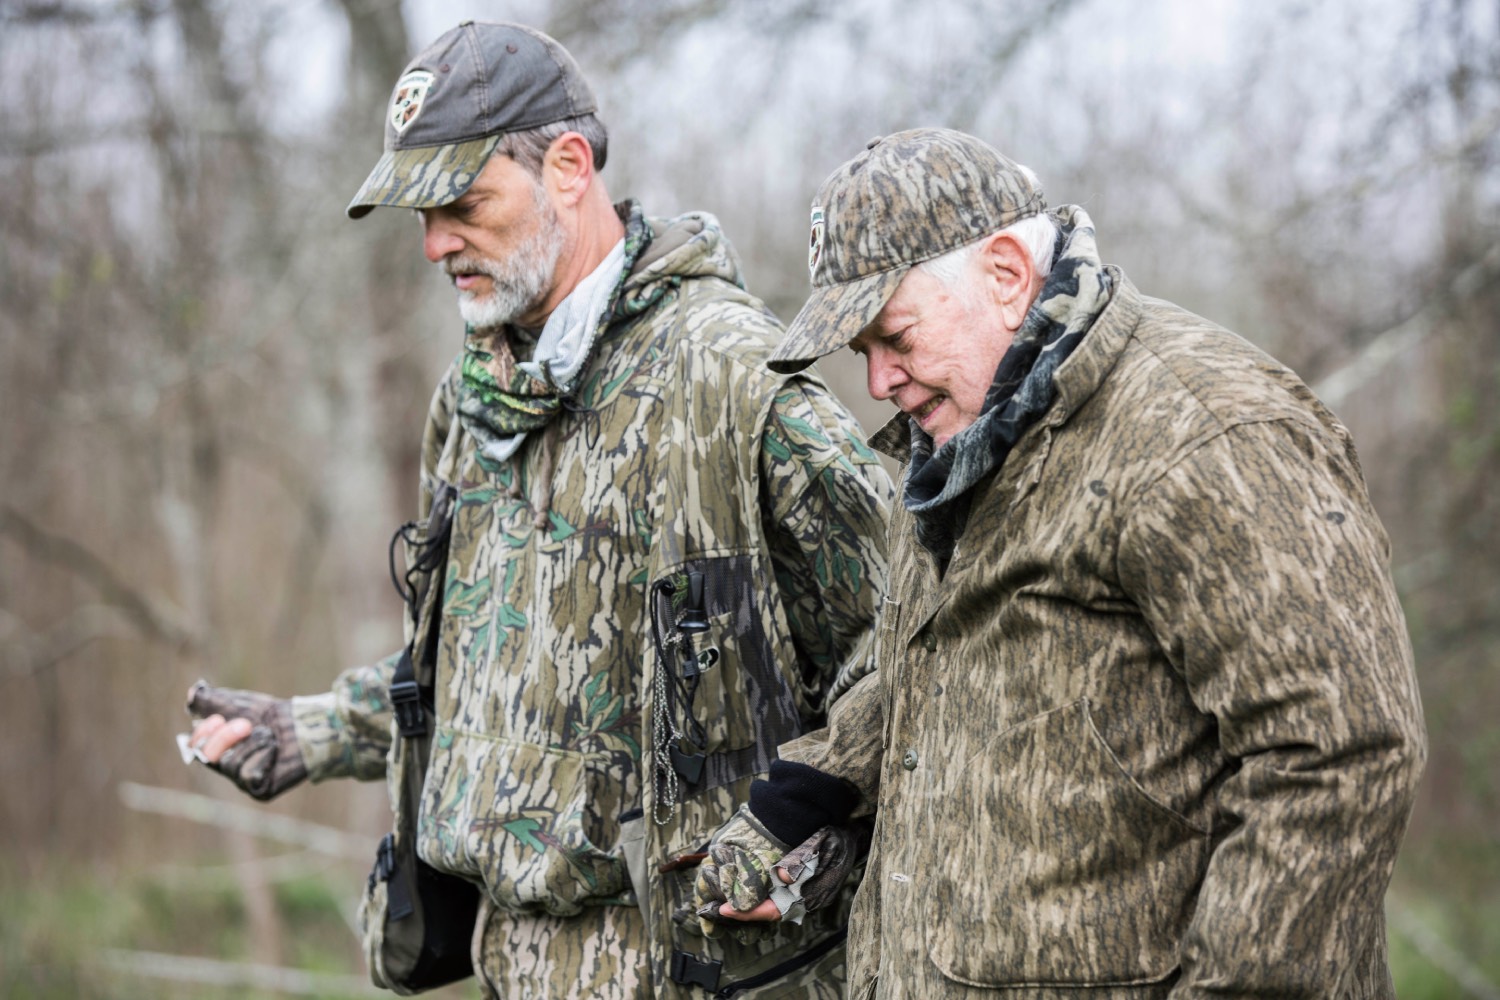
(346, 733)
(1263, 571)
(826, 499)
(850, 747)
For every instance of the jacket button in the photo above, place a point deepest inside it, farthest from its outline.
(929, 641)
(909, 760)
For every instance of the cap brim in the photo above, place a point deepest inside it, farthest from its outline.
(423, 177)
(833, 316)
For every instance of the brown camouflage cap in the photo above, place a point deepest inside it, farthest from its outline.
(908, 197)
(456, 99)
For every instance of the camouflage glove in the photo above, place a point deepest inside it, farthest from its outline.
(818, 867)
(268, 761)
(737, 870)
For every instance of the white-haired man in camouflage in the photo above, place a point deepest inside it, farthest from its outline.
(1145, 722)
(642, 561)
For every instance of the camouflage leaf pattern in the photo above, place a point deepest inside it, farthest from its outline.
(1162, 699)
(347, 732)
(832, 853)
(545, 659)
(737, 869)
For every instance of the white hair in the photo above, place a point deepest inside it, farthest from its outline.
(1037, 233)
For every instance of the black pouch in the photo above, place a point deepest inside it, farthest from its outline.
(417, 923)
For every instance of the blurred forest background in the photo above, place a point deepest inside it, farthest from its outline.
(212, 383)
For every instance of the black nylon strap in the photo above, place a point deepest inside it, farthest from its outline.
(786, 968)
(409, 693)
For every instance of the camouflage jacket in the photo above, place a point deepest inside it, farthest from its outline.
(680, 452)
(1155, 731)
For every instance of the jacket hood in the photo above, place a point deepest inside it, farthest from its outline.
(689, 246)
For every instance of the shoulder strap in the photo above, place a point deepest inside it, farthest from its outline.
(412, 684)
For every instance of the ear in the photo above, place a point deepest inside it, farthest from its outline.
(1010, 275)
(568, 168)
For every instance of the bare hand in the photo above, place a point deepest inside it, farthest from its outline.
(764, 911)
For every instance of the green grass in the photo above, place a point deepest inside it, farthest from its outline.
(1450, 892)
(64, 930)
(60, 925)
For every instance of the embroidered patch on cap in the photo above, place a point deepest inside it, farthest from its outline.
(815, 243)
(411, 90)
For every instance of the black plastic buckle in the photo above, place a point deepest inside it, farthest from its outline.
(406, 700)
(385, 857)
(689, 970)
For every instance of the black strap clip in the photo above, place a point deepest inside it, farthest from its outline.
(385, 857)
(689, 970)
(689, 765)
(406, 701)
(398, 905)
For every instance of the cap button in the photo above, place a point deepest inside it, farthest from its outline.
(875, 142)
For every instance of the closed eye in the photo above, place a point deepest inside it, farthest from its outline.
(900, 340)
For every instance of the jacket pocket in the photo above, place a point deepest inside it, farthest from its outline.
(719, 703)
(1063, 871)
(512, 815)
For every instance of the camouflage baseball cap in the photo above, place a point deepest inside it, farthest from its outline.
(456, 99)
(908, 197)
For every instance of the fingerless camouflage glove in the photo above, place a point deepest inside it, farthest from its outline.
(737, 870)
(818, 867)
(268, 761)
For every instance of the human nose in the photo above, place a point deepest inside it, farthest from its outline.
(438, 238)
(882, 376)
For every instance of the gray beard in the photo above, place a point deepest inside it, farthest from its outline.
(519, 282)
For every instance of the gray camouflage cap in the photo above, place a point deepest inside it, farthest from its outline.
(456, 99)
(908, 197)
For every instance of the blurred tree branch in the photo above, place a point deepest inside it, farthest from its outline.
(1338, 385)
(42, 12)
(1253, 230)
(79, 136)
(150, 615)
(251, 819)
(257, 976)
(28, 652)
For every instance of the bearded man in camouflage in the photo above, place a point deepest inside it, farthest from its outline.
(1145, 722)
(661, 558)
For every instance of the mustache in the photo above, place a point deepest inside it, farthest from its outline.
(454, 266)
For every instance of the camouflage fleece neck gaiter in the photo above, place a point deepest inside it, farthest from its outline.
(499, 402)
(1075, 293)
